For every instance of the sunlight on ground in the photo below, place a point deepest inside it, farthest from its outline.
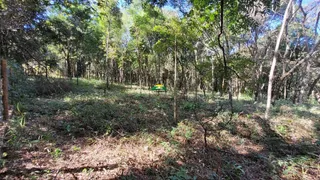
(87, 134)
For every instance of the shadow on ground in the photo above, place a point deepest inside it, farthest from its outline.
(120, 135)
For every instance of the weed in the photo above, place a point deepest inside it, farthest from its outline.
(87, 171)
(142, 108)
(241, 141)
(45, 87)
(56, 153)
(20, 85)
(21, 115)
(189, 106)
(95, 115)
(76, 148)
(166, 146)
(282, 129)
(180, 174)
(46, 136)
(2, 162)
(297, 167)
(184, 130)
(34, 177)
(233, 170)
(108, 129)
(16, 131)
(150, 141)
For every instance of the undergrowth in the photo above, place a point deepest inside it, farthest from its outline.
(203, 144)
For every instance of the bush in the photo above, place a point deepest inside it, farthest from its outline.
(94, 115)
(45, 87)
(19, 84)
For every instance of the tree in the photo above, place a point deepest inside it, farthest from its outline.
(18, 20)
(66, 28)
(109, 18)
(274, 59)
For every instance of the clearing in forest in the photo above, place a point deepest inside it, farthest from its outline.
(122, 134)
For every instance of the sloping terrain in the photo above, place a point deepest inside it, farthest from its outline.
(122, 134)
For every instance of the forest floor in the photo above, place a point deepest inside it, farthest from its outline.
(125, 134)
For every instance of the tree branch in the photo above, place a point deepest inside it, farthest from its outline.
(307, 57)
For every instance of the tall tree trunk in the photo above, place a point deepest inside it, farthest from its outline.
(183, 80)
(146, 75)
(258, 84)
(284, 87)
(226, 74)
(274, 61)
(175, 108)
(69, 68)
(106, 70)
(140, 71)
(89, 71)
(212, 77)
(195, 74)
(305, 83)
(285, 56)
(5, 94)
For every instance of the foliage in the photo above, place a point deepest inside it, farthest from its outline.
(184, 130)
(45, 87)
(296, 167)
(56, 153)
(118, 50)
(20, 85)
(181, 174)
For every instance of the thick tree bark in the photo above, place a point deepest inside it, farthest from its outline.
(274, 61)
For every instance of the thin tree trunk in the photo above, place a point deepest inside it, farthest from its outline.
(140, 71)
(175, 109)
(107, 54)
(313, 85)
(212, 76)
(195, 74)
(5, 93)
(69, 66)
(274, 61)
(303, 91)
(226, 75)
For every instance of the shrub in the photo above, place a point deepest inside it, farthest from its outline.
(20, 86)
(94, 115)
(190, 105)
(45, 87)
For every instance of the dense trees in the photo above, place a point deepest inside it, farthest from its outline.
(78, 71)
(220, 46)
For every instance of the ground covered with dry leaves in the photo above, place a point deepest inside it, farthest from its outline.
(125, 134)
